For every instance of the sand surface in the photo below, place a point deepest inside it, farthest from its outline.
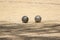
(30, 31)
(13, 10)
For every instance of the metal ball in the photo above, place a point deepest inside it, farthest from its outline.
(25, 19)
(38, 18)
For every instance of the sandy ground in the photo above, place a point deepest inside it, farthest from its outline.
(36, 31)
(13, 10)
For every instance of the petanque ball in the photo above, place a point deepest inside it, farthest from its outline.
(25, 19)
(38, 19)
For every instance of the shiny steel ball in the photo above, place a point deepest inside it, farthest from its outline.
(38, 19)
(25, 19)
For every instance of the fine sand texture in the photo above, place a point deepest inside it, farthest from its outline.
(47, 30)
(12, 28)
(13, 10)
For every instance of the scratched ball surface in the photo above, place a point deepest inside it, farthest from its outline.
(38, 18)
(25, 19)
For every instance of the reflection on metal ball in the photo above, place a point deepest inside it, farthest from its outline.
(25, 19)
(38, 18)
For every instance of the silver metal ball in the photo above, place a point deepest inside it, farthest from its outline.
(38, 18)
(25, 19)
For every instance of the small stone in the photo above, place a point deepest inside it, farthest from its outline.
(25, 19)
